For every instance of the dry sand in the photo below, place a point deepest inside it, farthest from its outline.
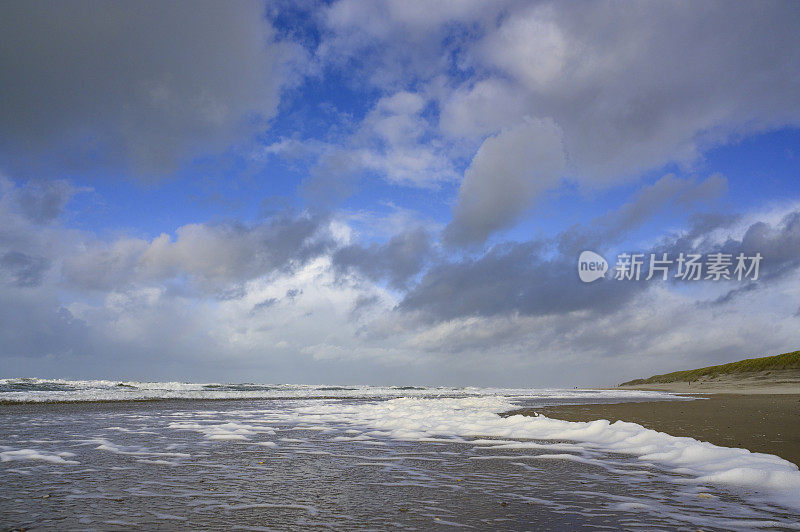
(760, 422)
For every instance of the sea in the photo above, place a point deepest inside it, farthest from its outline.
(110, 455)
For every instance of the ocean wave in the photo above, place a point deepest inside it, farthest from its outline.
(35, 390)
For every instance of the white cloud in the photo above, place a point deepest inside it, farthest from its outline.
(209, 257)
(487, 106)
(395, 140)
(631, 88)
(531, 46)
(315, 324)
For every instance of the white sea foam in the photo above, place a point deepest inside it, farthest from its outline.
(27, 390)
(702, 462)
(157, 462)
(34, 454)
(133, 450)
(223, 431)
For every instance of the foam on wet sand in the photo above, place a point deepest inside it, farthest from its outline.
(418, 419)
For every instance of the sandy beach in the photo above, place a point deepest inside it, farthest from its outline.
(760, 422)
(166, 456)
(785, 381)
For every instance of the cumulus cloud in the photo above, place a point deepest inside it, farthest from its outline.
(628, 89)
(506, 174)
(136, 89)
(395, 141)
(294, 298)
(213, 257)
(633, 89)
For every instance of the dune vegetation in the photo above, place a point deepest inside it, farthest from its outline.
(786, 361)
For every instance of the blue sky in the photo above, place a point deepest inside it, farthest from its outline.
(392, 192)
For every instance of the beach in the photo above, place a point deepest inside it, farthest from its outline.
(161, 456)
(763, 423)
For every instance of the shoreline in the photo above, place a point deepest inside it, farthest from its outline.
(759, 422)
(712, 388)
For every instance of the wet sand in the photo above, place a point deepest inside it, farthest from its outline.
(764, 423)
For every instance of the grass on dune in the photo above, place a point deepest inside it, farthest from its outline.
(777, 362)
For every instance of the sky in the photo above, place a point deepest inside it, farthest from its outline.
(393, 192)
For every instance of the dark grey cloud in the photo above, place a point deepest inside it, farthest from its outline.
(270, 302)
(509, 279)
(30, 243)
(698, 236)
(396, 261)
(267, 303)
(292, 293)
(362, 304)
(540, 277)
(33, 324)
(132, 88)
(43, 201)
(21, 269)
(778, 245)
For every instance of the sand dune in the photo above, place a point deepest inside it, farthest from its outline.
(756, 382)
